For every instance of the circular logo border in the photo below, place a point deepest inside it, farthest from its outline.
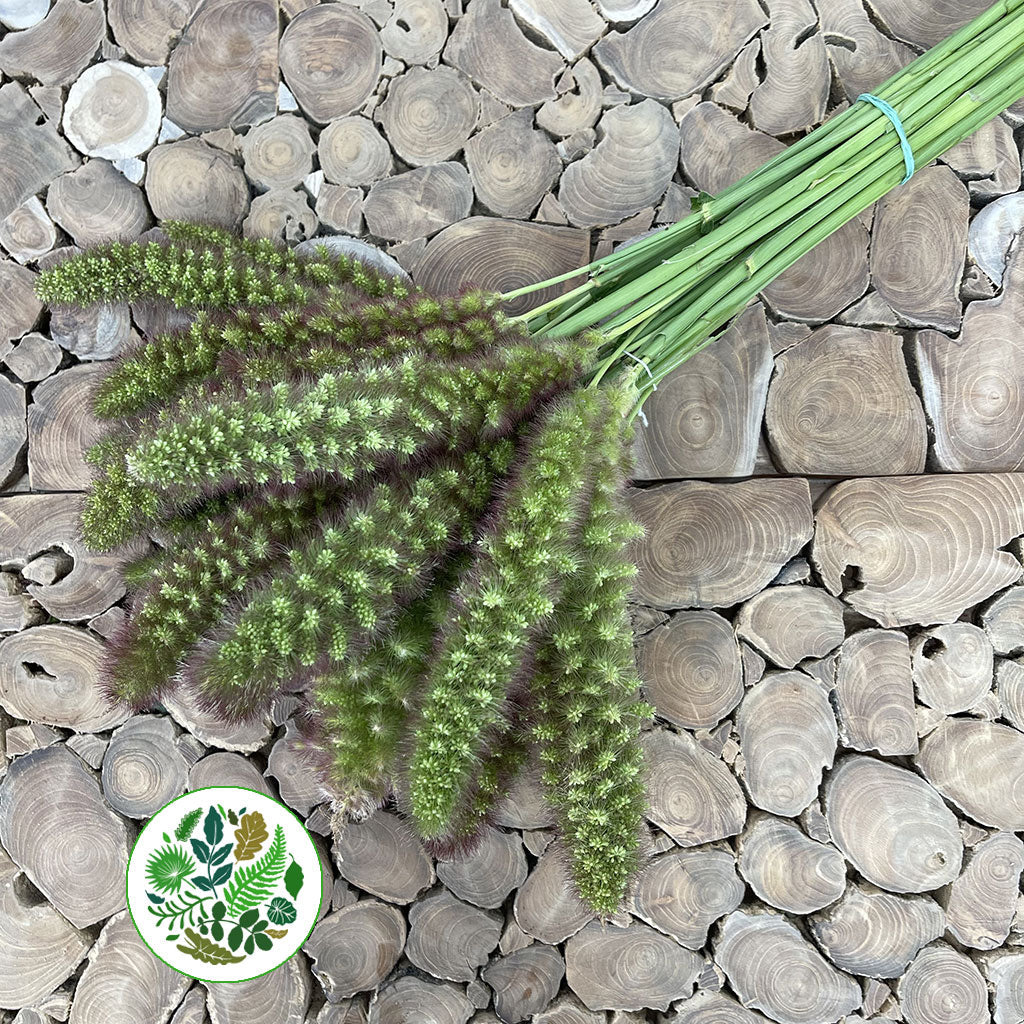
(241, 789)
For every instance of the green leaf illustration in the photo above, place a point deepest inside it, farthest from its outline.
(293, 879)
(187, 824)
(254, 882)
(201, 883)
(249, 945)
(263, 941)
(208, 951)
(232, 817)
(153, 898)
(277, 933)
(201, 850)
(281, 911)
(235, 937)
(174, 913)
(251, 836)
(167, 868)
(221, 853)
(218, 910)
(248, 919)
(213, 827)
(222, 874)
(217, 931)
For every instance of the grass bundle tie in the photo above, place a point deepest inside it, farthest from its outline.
(410, 507)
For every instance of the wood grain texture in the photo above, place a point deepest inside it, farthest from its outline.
(57, 49)
(952, 666)
(354, 949)
(876, 934)
(225, 69)
(713, 545)
(918, 243)
(30, 523)
(123, 978)
(485, 875)
(429, 115)
(787, 734)
(615, 968)
(795, 90)
(692, 670)
(525, 981)
(58, 829)
(684, 892)
(546, 906)
(691, 794)
(512, 165)
(96, 203)
(679, 48)
(490, 48)
(787, 869)
(891, 825)
(971, 386)
(978, 766)
(842, 402)
(383, 856)
(628, 169)
(943, 983)
(789, 624)
(773, 968)
(717, 149)
(924, 548)
(147, 29)
(31, 152)
(874, 694)
(280, 997)
(192, 180)
(705, 418)
(981, 903)
(51, 674)
(419, 202)
(501, 255)
(450, 939)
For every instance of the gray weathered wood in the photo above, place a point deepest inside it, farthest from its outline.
(705, 418)
(58, 829)
(842, 402)
(525, 981)
(692, 670)
(383, 856)
(615, 968)
(788, 870)
(874, 933)
(874, 693)
(981, 903)
(144, 768)
(124, 978)
(979, 766)
(205, 91)
(787, 733)
(707, 547)
(943, 983)
(952, 666)
(354, 949)
(892, 826)
(683, 893)
(692, 795)
(450, 939)
(485, 875)
(926, 547)
(38, 947)
(773, 968)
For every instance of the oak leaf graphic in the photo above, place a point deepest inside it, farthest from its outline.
(251, 835)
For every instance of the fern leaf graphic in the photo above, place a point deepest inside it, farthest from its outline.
(188, 824)
(255, 882)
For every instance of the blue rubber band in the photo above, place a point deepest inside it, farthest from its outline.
(908, 153)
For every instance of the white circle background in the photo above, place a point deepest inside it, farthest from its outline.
(298, 844)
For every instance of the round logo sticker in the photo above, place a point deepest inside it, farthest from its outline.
(224, 884)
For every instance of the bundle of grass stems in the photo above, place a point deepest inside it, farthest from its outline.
(410, 508)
